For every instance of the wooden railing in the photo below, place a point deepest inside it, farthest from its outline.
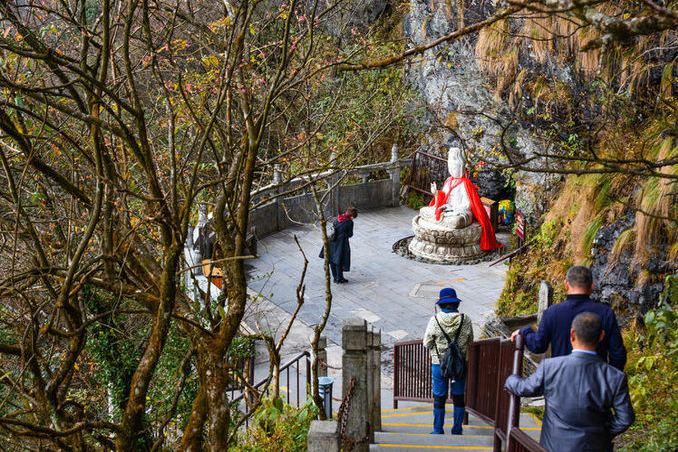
(411, 373)
(520, 442)
(491, 361)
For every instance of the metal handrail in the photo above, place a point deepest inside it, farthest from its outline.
(514, 401)
(285, 367)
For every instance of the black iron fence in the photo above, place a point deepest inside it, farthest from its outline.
(425, 169)
(294, 380)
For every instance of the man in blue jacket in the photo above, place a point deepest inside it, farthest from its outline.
(587, 400)
(557, 320)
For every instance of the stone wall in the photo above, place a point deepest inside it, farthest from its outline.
(287, 211)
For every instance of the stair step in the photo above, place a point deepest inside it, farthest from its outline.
(423, 413)
(417, 439)
(409, 429)
(410, 448)
(427, 427)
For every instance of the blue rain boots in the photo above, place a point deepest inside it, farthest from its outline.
(438, 415)
(458, 415)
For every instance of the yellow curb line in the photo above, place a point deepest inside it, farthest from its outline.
(411, 446)
(411, 414)
(406, 408)
(429, 434)
(398, 424)
(535, 418)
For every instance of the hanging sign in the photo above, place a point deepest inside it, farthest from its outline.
(520, 225)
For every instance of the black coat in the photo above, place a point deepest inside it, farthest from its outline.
(340, 251)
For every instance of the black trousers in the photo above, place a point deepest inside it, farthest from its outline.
(337, 272)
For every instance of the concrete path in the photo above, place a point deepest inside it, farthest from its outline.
(394, 294)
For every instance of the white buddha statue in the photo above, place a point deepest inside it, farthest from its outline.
(451, 206)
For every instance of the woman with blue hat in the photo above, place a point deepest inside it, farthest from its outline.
(456, 325)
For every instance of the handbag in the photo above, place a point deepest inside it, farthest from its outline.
(331, 233)
(452, 364)
(331, 237)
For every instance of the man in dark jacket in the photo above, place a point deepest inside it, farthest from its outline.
(587, 400)
(556, 321)
(339, 249)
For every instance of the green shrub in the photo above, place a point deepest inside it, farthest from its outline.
(653, 378)
(278, 427)
(416, 200)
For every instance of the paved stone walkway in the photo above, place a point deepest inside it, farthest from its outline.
(391, 292)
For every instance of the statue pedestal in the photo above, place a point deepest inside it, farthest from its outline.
(440, 244)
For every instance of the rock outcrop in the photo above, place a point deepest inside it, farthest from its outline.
(462, 110)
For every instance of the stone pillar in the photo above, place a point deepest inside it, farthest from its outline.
(394, 173)
(364, 177)
(545, 298)
(374, 381)
(354, 366)
(277, 179)
(323, 436)
(331, 181)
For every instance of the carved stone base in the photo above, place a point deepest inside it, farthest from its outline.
(434, 242)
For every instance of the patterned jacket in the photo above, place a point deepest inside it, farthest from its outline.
(450, 321)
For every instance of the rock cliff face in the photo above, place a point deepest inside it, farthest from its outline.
(461, 108)
(618, 276)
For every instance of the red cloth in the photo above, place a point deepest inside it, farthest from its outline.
(488, 241)
(343, 217)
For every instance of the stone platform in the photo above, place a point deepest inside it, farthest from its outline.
(440, 244)
(393, 293)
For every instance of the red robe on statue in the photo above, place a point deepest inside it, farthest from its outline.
(488, 241)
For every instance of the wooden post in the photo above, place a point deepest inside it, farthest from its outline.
(394, 174)
(514, 403)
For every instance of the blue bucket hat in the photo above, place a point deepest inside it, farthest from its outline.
(448, 295)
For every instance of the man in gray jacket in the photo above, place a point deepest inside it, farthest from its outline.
(587, 400)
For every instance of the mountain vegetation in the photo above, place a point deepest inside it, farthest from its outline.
(120, 119)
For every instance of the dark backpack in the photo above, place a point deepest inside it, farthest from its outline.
(452, 364)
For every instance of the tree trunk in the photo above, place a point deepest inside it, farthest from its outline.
(132, 421)
(192, 440)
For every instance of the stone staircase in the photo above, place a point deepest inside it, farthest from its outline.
(408, 429)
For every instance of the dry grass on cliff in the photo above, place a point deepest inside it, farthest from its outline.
(656, 217)
(583, 206)
(496, 56)
(587, 203)
(560, 39)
